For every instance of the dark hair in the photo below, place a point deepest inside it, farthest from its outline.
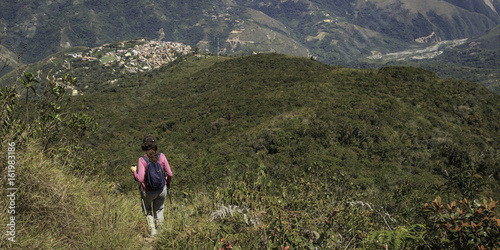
(149, 145)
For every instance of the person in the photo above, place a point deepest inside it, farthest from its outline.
(154, 200)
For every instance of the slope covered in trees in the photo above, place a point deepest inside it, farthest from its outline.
(295, 114)
(270, 151)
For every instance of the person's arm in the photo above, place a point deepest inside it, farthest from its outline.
(134, 170)
(166, 167)
(141, 170)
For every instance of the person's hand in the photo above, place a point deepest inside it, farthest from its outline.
(133, 168)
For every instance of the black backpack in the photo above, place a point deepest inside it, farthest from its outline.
(154, 177)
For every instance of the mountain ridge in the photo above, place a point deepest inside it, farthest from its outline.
(473, 59)
(48, 26)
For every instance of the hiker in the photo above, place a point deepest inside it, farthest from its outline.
(152, 193)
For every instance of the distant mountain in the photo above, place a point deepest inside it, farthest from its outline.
(475, 59)
(8, 60)
(329, 30)
(490, 40)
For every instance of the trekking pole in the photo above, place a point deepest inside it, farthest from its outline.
(142, 201)
(170, 198)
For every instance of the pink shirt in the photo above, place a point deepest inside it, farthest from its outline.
(141, 170)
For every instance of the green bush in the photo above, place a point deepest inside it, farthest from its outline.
(463, 224)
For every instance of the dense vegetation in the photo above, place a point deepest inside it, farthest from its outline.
(272, 151)
(292, 113)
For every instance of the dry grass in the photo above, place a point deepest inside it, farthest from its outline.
(58, 210)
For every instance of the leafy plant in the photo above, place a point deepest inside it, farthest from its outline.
(400, 238)
(28, 81)
(9, 103)
(463, 224)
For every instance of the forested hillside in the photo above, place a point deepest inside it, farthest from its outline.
(270, 151)
(220, 114)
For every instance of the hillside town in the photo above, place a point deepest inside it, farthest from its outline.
(144, 56)
(124, 57)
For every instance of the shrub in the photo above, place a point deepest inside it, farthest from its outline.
(463, 224)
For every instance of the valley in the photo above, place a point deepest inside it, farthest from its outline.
(433, 50)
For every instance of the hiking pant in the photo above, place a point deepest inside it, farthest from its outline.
(154, 202)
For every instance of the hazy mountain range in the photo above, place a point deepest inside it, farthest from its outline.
(329, 30)
(365, 33)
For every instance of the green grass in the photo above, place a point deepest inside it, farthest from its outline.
(55, 209)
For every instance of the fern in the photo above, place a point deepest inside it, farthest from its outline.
(394, 239)
(389, 221)
(224, 211)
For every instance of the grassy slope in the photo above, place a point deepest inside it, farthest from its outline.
(56, 210)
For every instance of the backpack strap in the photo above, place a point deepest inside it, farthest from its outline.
(147, 160)
(164, 173)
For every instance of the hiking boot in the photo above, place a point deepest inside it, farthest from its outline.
(153, 233)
